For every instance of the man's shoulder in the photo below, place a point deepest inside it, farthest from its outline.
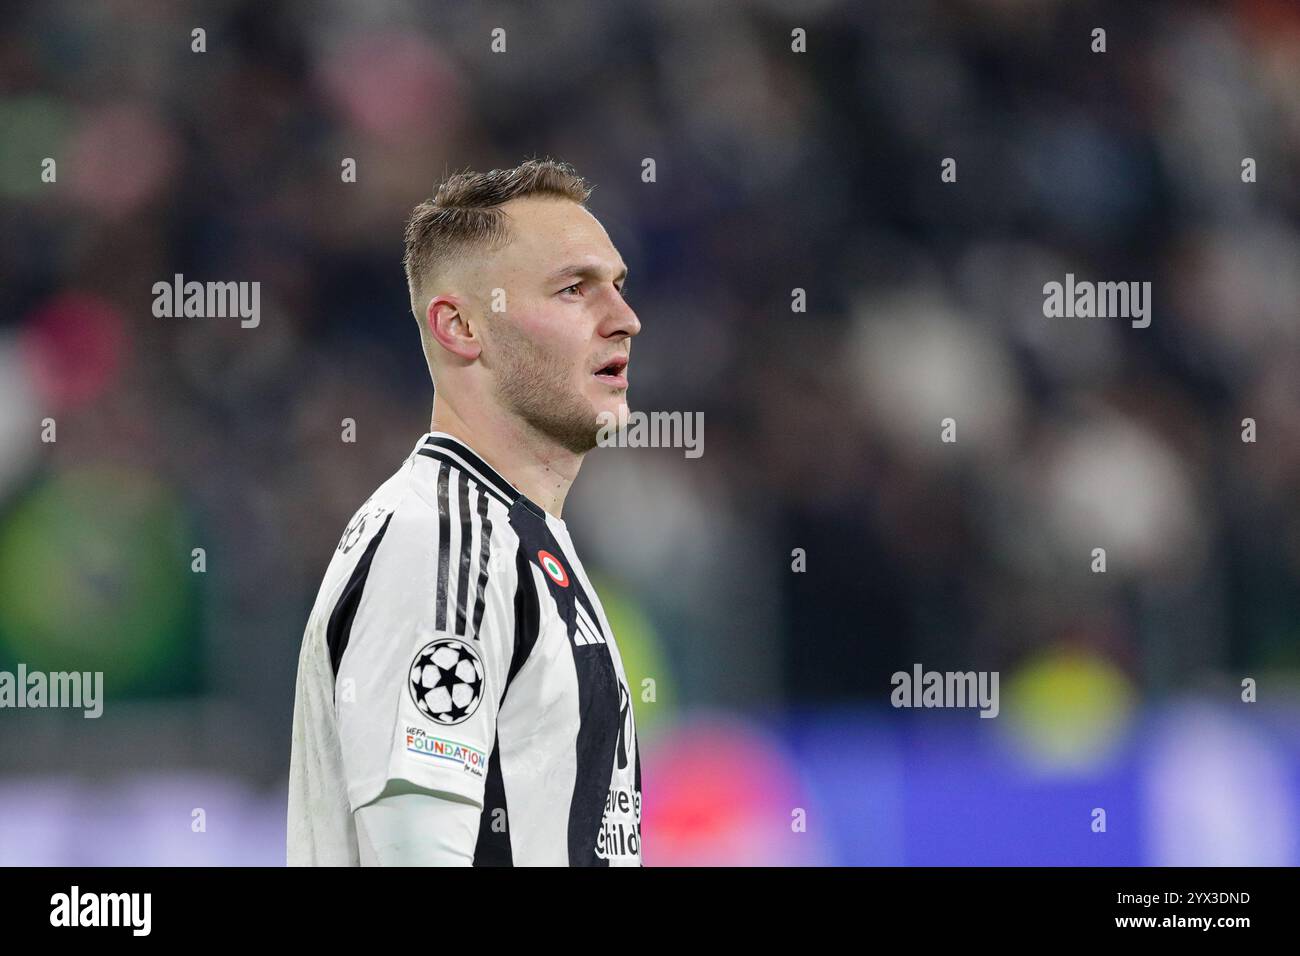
(437, 492)
(428, 501)
(420, 544)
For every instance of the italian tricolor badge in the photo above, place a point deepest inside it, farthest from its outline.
(554, 570)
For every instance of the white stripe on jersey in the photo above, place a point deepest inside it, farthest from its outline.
(589, 631)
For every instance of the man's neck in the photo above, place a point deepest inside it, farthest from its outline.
(541, 470)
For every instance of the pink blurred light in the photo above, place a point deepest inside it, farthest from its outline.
(121, 156)
(723, 794)
(73, 347)
(394, 85)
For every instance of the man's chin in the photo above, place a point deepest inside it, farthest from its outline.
(581, 435)
(610, 407)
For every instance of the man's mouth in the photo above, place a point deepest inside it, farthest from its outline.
(613, 373)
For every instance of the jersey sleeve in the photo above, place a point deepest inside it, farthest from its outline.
(429, 654)
(417, 829)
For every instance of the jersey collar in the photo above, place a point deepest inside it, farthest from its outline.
(453, 451)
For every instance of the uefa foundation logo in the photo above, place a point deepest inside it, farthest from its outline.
(439, 749)
(447, 681)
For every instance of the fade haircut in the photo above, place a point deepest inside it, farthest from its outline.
(464, 217)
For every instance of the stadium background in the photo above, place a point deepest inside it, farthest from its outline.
(775, 171)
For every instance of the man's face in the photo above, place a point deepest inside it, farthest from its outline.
(558, 352)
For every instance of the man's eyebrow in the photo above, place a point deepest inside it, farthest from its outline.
(585, 271)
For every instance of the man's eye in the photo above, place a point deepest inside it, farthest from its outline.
(576, 285)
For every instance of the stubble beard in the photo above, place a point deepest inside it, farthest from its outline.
(533, 385)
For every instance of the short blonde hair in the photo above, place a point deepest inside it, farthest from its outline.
(464, 216)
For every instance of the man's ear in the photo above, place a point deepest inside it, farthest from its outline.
(451, 327)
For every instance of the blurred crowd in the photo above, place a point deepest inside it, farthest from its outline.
(775, 170)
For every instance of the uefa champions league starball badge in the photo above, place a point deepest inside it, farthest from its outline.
(446, 681)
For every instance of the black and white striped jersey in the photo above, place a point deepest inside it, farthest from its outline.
(456, 643)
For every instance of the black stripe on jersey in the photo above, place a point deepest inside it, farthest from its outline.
(444, 550)
(598, 730)
(528, 614)
(473, 464)
(466, 543)
(339, 629)
(448, 460)
(484, 554)
(637, 784)
(493, 845)
(598, 698)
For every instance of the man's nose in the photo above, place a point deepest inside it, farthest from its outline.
(622, 317)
